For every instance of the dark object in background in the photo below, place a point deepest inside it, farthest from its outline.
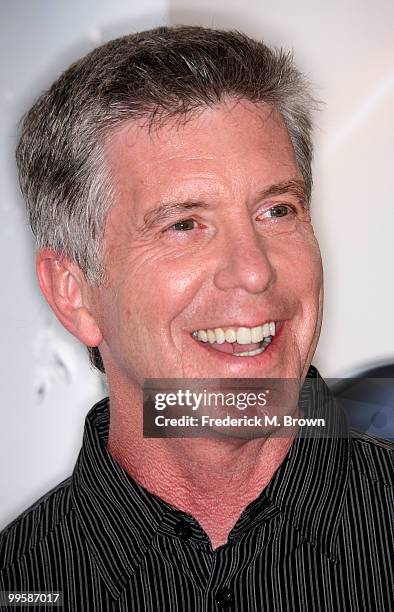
(368, 400)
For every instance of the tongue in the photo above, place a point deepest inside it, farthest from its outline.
(226, 347)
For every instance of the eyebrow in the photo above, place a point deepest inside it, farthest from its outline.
(167, 210)
(294, 187)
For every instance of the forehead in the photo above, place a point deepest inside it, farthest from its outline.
(235, 142)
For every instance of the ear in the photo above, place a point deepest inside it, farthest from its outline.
(64, 287)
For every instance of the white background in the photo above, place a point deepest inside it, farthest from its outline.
(347, 49)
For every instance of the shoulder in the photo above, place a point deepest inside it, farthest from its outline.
(372, 458)
(36, 524)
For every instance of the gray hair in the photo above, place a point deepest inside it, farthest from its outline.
(158, 74)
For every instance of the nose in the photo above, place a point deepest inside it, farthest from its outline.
(244, 262)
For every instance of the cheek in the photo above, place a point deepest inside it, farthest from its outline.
(158, 293)
(306, 272)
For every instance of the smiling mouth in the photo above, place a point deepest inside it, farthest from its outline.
(238, 341)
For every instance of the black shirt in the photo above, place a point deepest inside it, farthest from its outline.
(318, 537)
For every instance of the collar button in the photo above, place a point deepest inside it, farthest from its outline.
(312, 372)
(183, 529)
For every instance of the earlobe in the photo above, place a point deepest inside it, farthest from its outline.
(62, 283)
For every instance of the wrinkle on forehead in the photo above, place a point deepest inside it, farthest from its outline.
(176, 138)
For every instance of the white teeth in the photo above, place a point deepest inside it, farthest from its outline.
(211, 336)
(250, 353)
(241, 335)
(231, 336)
(220, 337)
(244, 335)
(257, 334)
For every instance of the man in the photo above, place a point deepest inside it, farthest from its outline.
(168, 179)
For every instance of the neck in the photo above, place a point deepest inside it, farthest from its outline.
(211, 479)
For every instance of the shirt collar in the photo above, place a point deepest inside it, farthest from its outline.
(120, 518)
(310, 486)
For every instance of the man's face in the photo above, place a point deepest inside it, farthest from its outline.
(210, 230)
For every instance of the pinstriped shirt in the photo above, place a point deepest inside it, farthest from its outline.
(319, 537)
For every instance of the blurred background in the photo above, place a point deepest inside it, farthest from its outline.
(347, 49)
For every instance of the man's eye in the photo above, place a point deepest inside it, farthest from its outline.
(183, 226)
(281, 210)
